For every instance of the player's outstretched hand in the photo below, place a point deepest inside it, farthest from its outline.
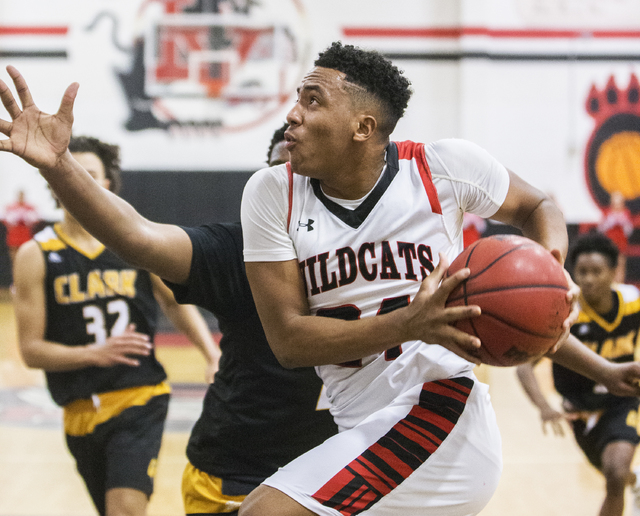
(122, 349)
(622, 379)
(38, 138)
(554, 419)
(431, 322)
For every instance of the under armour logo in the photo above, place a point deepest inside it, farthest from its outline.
(308, 225)
(55, 258)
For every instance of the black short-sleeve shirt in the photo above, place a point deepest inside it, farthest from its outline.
(257, 416)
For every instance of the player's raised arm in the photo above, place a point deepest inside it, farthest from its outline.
(42, 141)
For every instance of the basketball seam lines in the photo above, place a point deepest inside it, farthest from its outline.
(489, 314)
(507, 287)
(519, 328)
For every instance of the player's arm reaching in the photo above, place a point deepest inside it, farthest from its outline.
(42, 140)
(30, 307)
(621, 379)
(188, 320)
(548, 414)
(298, 339)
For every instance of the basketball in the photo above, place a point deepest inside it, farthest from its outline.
(521, 289)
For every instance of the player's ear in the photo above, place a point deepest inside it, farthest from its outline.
(367, 125)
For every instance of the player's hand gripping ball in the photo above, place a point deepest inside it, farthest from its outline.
(521, 289)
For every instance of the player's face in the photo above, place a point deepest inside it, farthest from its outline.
(93, 165)
(320, 124)
(594, 275)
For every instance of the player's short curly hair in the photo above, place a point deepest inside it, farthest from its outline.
(373, 72)
(277, 137)
(108, 154)
(594, 242)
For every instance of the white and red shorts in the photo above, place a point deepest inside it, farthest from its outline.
(435, 451)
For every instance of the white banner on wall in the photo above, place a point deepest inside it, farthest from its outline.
(201, 85)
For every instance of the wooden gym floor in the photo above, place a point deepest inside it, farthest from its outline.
(543, 475)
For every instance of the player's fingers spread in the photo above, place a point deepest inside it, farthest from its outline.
(21, 87)
(134, 348)
(463, 340)
(573, 292)
(571, 319)
(131, 343)
(9, 102)
(131, 328)
(6, 146)
(128, 361)
(144, 351)
(450, 283)
(433, 280)
(138, 343)
(456, 313)
(66, 105)
(441, 269)
(5, 127)
(464, 353)
(4, 91)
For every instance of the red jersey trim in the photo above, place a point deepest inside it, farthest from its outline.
(290, 174)
(411, 150)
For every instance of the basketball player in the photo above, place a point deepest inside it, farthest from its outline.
(442, 451)
(604, 425)
(88, 319)
(337, 244)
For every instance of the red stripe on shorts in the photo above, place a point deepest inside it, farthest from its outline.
(404, 448)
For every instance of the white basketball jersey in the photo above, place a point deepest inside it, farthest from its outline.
(371, 260)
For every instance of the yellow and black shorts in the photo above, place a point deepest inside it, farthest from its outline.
(115, 438)
(206, 495)
(594, 431)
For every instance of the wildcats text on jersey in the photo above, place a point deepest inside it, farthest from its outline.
(372, 261)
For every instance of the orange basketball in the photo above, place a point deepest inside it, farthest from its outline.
(521, 289)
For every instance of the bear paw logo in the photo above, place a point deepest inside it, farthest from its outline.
(612, 157)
